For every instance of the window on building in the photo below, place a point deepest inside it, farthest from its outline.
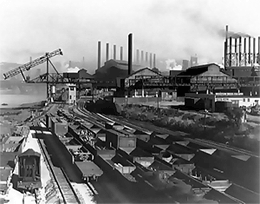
(70, 96)
(72, 88)
(248, 100)
(244, 100)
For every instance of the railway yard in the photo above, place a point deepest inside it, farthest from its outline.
(113, 160)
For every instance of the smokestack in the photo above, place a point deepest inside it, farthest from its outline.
(114, 52)
(99, 54)
(142, 56)
(146, 57)
(254, 56)
(230, 51)
(130, 53)
(225, 54)
(239, 50)
(245, 54)
(226, 32)
(107, 51)
(151, 60)
(121, 53)
(236, 50)
(258, 61)
(154, 60)
(137, 56)
(249, 50)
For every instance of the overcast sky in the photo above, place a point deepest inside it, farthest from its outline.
(173, 29)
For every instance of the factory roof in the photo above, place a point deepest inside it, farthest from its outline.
(145, 68)
(196, 70)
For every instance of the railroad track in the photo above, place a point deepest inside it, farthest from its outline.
(63, 183)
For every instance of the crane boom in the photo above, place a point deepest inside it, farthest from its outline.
(29, 65)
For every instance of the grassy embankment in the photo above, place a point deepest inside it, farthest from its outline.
(213, 126)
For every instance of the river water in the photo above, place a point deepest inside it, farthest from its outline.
(15, 100)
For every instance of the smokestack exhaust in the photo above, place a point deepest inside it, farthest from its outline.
(130, 48)
(121, 53)
(99, 54)
(107, 51)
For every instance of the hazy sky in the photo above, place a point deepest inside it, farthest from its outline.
(173, 29)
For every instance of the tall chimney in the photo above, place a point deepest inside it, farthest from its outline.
(30, 59)
(137, 56)
(239, 50)
(114, 52)
(151, 60)
(107, 51)
(142, 56)
(146, 57)
(249, 50)
(226, 32)
(245, 54)
(130, 44)
(258, 61)
(236, 51)
(254, 56)
(225, 54)
(154, 60)
(99, 54)
(121, 53)
(230, 51)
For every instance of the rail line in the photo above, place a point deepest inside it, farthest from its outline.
(61, 179)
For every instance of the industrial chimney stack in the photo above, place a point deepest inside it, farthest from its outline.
(107, 51)
(121, 53)
(142, 56)
(99, 54)
(114, 52)
(154, 60)
(130, 53)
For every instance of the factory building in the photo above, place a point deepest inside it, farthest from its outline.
(242, 61)
(204, 79)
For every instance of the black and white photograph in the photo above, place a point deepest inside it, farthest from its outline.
(129, 101)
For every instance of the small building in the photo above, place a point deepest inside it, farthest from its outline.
(72, 93)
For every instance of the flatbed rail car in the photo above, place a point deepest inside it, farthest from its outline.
(89, 170)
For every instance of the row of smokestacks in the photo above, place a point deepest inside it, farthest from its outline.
(141, 57)
(240, 50)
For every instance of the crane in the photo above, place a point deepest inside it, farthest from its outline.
(29, 65)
